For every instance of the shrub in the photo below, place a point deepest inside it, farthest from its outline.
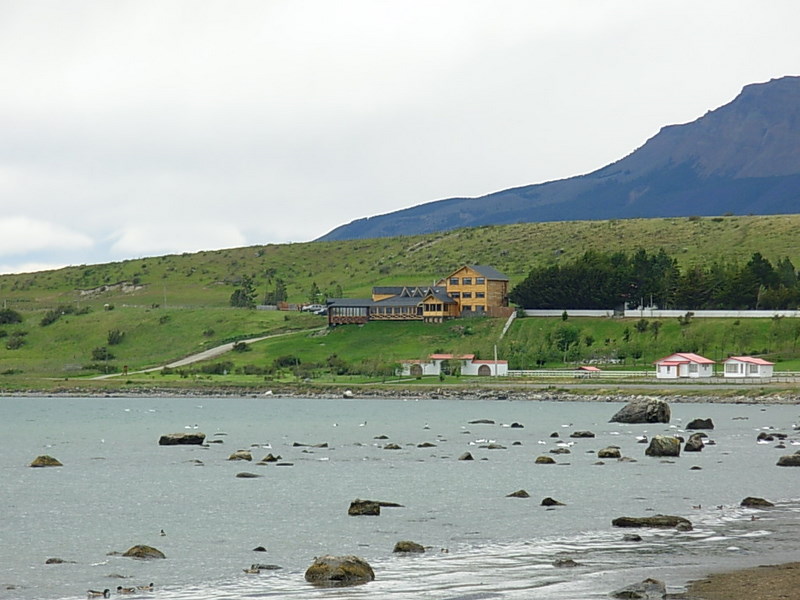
(8, 317)
(220, 368)
(115, 336)
(288, 360)
(241, 347)
(15, 342)
(102, 353)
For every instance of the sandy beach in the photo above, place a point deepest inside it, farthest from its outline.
(768, 582)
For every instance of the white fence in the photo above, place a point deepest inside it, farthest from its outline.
(779, 377)
(655, 313)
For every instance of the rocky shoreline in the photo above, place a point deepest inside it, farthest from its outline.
(416, 393)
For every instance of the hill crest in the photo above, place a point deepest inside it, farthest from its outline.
(741, 158)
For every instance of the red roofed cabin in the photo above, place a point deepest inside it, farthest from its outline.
(747, 366)
(684, 364)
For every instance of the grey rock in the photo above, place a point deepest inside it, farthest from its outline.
(648, 589)
(643, 410)
(177, 439)
(700, 424)
(664, 445)
(337, 571)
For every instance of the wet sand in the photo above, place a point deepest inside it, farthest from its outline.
(768, 582)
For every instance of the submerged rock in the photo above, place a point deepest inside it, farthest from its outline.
(658, 521)
(648, 589)
(46, 460)
(754, 502)
(339, 571)
(176, 439)
(241, 455)
(142, 551)
(408, 546)
(545, 460)
(466, 456)
(790, 460)
(610, 452)
(368, 508)
(643, 410)
(551, 502)
(564, 563)
(581, 434)
(700, 424)
(518, 494)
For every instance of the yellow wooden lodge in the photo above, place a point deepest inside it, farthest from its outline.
(471, 290)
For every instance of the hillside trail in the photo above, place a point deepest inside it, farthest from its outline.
(200, 356)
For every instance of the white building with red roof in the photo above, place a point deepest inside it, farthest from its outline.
(467, 364)
(684, 364)
(747, 366)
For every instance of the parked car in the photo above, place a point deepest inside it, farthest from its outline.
(313, 308)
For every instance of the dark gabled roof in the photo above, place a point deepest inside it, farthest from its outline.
(440, 295)
(398, 301)
(488, 272)
(408, 291)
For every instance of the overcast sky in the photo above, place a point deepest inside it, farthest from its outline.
(141, 128)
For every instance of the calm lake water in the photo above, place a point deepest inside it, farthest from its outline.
(119, 488)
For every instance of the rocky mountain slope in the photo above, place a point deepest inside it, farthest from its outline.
(742, 158)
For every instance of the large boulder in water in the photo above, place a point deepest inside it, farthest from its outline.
(408, 546)
(643, 410)
(790, 460)
(46, 460)
(364, 507)
(178, 439)
(658, 521)
(664, 445)
(339, 571)
(142, 551)
(700, 424)
(694, 443)
(755, 502)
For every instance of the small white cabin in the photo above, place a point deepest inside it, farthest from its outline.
(467, 364)
(684, 365)
(747, 366)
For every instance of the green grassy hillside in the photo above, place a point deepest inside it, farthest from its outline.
(206, 279)
(170, 306)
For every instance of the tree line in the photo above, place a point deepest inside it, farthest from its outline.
(598, 280)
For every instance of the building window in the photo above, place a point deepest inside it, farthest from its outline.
(479, 307)
(753, 369)
(466, 295)
(466, 280)
(692, 367)
(480, 294)
(480, 280)
(454, 281)
(455, 294)
(731, 368)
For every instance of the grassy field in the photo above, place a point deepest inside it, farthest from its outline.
(170, 306)
(207, 279)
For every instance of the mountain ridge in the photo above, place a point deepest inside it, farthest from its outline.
(740, 158)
